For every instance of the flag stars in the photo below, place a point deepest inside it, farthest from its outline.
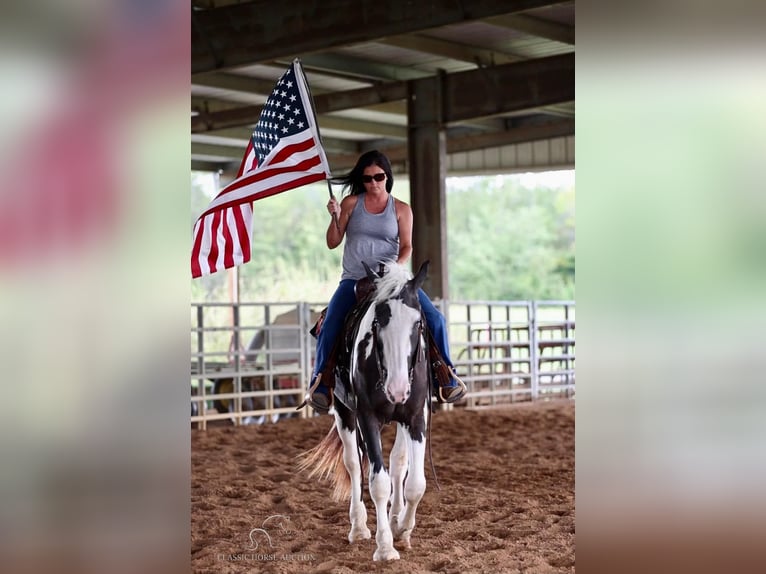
(283, 115)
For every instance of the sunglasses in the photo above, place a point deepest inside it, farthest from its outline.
(376, 177)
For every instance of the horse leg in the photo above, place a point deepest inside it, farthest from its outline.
(357, 512)
(415, 486)
(398, 465)
(380, 491)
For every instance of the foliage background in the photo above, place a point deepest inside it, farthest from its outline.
(507, 240)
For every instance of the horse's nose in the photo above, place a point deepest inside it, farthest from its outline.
(398, 394)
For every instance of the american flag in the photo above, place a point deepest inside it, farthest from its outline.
(284, 152)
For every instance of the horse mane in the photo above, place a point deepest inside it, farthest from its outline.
(392, 282)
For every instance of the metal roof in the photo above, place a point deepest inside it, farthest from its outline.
(359, 58)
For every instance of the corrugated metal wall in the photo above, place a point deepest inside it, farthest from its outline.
(542, 155)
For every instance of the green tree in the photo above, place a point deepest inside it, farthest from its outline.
(505, 242)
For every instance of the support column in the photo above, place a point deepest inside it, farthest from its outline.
(427, 160)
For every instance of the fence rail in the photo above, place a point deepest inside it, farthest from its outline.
(251, 362)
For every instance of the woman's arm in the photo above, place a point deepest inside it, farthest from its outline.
(335, 233)
(404, 216)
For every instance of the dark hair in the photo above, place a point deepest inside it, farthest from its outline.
(353, 179)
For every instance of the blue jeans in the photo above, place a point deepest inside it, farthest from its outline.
(342, 302)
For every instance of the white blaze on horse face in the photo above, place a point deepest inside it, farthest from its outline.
(396, 338)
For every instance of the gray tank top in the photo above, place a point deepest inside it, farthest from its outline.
(371, 238)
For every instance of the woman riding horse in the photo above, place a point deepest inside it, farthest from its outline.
(378, 227)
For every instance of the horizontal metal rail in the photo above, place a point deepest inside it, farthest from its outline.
(249, 359)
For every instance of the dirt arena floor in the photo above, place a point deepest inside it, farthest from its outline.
(506, 502)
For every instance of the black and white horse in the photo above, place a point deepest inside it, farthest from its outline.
(387, 381)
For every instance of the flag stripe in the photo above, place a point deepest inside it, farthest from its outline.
(246, 159)
(288, 185)
(251, 186)
(282, 182)
(228, 244)
(198, 233)
(242, 232)
(212, 257)
(265, 173)
(286, 152)
(302, 149)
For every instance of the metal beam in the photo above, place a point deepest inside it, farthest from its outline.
(501, 89)
(235, 83)
(535, 27)
(247, 114)
(512, 136)
(218, 150)
(566, 110)
(356, 68)
(360, 98)
(451, 50)
(398, 153)
(240, 136)
(332, 123)
(215, 166)
(323, 103)
(207, 105)
(263, 30)
(468, 95)
(361, 126)
(341, 161)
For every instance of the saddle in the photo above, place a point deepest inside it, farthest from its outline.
(336, 373)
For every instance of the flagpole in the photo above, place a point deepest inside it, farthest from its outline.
(334, 215)
(316, 124)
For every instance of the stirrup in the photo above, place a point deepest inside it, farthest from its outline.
(458, 392)
(308, 400)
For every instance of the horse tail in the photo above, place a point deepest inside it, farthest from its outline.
(325, 462)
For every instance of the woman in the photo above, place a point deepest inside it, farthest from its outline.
(377, 227)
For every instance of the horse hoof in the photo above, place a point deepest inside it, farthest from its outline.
(400, 533)
(403, 543)
(359, 534)
(385, 554)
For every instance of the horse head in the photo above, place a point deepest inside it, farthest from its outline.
(395, 328)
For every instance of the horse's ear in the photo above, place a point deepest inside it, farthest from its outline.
(370, 273)
(420, 276)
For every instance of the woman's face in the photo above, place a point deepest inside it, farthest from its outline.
(374, 178)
